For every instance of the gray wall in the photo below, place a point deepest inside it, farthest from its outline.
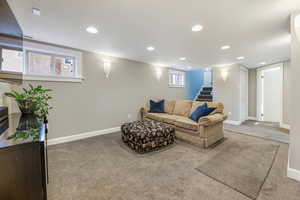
(286, 93)
(252, 93)
(294, 156)
(228, 92)
(99, 103)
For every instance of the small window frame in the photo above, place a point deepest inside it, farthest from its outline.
(52, 57)
(178, 73)
(54, 52)
(1, 59)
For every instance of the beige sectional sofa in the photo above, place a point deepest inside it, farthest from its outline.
(207, 131)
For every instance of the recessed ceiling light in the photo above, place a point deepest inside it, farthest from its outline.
(240, 58)
(182, 58)
(197, 28)
(225, 47)
(92, 29)
(150, 48)
(36, 11)
(262, 63)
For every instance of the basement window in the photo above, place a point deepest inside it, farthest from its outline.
(43, 64)
(11, 60)
(48, 63)
(176, 78)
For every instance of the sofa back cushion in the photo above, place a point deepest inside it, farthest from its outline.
(182, 108)
(169, 106)
(219, 106)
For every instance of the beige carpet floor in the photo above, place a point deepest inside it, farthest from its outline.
(100, 168)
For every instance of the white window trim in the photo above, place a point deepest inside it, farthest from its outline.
(174, 85)
(56, 51)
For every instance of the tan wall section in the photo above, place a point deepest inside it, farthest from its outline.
(294, 156)
(287, 93)
(227, 91)
(100, 103)
(252, 93)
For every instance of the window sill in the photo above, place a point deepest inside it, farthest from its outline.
(52, 78)
(176, 86)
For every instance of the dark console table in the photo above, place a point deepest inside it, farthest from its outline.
(23, 159)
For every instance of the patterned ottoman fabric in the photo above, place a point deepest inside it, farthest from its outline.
(145, 136)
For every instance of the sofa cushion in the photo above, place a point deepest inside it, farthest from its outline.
(169, 106)
(162, 117)
(182, 108)
(157, 107)
(219, 106)
(186, 123)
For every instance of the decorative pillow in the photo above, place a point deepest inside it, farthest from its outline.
(157, 107)
(201, 111)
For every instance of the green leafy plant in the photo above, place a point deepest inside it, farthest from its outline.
(34, 100)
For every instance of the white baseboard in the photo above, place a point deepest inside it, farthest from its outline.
(252, 118)
(293, 174)
(232, 122)
(286, 126)
(82, 136)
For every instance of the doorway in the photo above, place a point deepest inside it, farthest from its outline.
(269, 93)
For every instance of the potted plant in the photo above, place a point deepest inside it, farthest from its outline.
(32, 101)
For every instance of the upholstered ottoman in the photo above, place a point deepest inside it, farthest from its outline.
(145, 136)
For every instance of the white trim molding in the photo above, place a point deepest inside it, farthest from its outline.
(232, 122)
(82, 136)
(52, 78)
(286, 126)
(252, 118)
(293, 174)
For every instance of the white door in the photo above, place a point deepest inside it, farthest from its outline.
(243, 94)
(270, 94)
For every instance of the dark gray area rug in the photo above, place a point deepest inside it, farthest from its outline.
(242, 166)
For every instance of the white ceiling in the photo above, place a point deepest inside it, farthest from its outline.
(256, 29)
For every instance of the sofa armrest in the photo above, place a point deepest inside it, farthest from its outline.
(143, 111)
(212, 119)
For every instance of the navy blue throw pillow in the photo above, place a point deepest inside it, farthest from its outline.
(195, 116)
(157, 107)
(201, 111)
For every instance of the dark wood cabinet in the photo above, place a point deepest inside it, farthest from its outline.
(23, 171)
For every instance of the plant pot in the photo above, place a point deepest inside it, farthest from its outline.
(27, 107)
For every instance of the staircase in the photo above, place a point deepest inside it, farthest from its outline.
(205, 94)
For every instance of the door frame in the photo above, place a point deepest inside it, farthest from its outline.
(259, 88)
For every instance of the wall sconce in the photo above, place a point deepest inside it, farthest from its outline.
(106, 67)
(224, 74)
(158, 72)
